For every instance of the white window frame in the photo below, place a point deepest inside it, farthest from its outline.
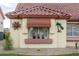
(38, 32)
(73, 23)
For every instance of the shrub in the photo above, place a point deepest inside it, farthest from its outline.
(3, 35)
(7, 42)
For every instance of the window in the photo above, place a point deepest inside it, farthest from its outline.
(73, 29)
(38, 33)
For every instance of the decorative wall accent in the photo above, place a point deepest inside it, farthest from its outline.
(16, 25)
(59, 27)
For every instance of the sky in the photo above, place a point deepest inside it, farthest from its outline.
(7, 7)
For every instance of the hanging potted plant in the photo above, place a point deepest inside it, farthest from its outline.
(59, 27)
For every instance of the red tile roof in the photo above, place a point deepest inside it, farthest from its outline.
(55, 10)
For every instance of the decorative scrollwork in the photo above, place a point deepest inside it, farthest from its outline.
(16, 25)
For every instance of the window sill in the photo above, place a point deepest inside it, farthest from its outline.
(72, 40)
(38, 41)
(72, 36)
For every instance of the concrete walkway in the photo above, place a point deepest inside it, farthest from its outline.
(1, 44)
(41, 51)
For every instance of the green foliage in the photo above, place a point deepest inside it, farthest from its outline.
(10, 54)
(59, 24)
(7, 42)
(4, 35)
(71, 54)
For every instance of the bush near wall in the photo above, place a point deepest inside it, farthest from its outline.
(4, 35)
(7, 44)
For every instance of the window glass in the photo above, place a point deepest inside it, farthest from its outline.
(38, 33)
(73, 29)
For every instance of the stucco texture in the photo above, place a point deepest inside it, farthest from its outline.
(19, 36)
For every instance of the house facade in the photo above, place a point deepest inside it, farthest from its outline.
(1, 24)
(44, 25)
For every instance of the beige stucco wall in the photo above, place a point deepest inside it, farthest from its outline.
(69, 44)
(15, 34)
(24, 34)
(19, 36)
(61, 37)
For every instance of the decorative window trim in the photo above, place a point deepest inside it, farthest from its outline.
(72, 40)
(72, 36)
(38, 41)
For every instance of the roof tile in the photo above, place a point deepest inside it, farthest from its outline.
(56, 10)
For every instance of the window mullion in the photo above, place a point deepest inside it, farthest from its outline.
(38, 31)
(71, 30)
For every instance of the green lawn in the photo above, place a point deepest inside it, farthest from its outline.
(71, 54)
(9, 54)
(14, 54)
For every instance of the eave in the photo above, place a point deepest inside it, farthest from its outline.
(37, 11)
